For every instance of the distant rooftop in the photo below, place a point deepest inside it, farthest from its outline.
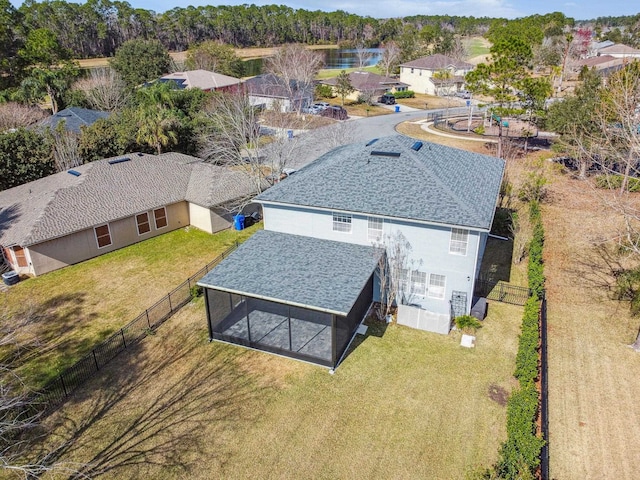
(74, 118)
(202, 79)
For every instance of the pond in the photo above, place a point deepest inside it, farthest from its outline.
(334, 58)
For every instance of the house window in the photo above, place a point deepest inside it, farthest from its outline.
(418, 282)
(103, 236)
(374, 231)
(160, 217)
(403, 280)
(459, 241)
(21, 258)
(341, 223)
(142, 220)
(437, 286)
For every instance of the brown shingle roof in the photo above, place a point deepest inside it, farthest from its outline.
(438, 62)
(62, 203)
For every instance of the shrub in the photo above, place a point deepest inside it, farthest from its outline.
(479, 130)
(467, 323)
(324, 91)
(534, 188)
(614, 182)
(196, 291)
(405, 94)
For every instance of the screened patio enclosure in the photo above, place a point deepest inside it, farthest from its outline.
(295, 296)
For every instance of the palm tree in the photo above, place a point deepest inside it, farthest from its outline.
(157, 127)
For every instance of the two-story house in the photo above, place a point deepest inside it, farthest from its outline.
(302, 286)
(435, 75)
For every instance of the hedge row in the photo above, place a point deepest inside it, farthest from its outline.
(404, 94)
(520, 454)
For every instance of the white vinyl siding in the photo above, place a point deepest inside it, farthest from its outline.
(459, 241)
(437, 286)
(374, 229)
(341, 223)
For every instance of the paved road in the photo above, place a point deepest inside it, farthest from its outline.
(311, 145)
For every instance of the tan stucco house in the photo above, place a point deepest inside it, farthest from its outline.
(98, 207)
(367, 84)
(435, 75)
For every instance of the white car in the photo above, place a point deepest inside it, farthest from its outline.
(322, 105)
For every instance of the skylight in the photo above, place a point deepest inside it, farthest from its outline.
(379, 153)
(119, 160)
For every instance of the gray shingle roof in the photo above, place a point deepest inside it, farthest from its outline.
(436, 184)
(62, 203)
(438, 62)
(74, 118)
(367, 81)
(321, 274)
(202, 79)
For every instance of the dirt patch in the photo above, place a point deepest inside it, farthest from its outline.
(498, 394)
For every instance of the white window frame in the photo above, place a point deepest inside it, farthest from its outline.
(418, 283)
(155, 220)
(342, 222)
(148, 222)
(95, 232)
(375, 234)
(435, 289)
(459, 241)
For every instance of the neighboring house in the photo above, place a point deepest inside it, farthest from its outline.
(101, 206)
(435, 74)
(272, 93)
(74, 118)
(302, 286)
(594, 47)
(204, 80)
(604, 64)
(368, 85)
(620, 51)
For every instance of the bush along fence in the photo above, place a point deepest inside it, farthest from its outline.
(56, 391)
(521, 456)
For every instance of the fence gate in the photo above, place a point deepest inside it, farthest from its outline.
(458, 303)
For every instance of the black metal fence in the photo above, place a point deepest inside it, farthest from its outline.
(544, 394)
(502, 292)
(57, 390)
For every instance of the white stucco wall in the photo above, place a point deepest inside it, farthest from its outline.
(430, 247)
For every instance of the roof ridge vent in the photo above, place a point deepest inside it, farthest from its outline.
(119, 160)
(380, 153)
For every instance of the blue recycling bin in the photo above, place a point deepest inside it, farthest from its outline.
(397, 108)
(238, 222)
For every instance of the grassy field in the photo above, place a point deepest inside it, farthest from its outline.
(78, 306)
(404, 404)
(477, 46)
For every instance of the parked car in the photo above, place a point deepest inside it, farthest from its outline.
(336, 112)
(321, 105)
(463, 94)
(387, 99)
(313, 109)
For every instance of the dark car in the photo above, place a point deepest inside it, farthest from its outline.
(387, 99)
(336, 112)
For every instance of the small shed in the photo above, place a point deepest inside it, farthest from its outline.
(296, 296)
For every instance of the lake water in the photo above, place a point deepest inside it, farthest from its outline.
(334, 58)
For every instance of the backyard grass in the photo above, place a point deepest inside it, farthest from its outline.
(76, 307)
(403, 404)
(477, 46)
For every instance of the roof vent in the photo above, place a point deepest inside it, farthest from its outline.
(119, 160)
(75, 173)
(379, 153)
(371, 142)
(416, 146)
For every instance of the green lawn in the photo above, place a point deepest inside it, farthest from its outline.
(74, 308)
(403, 404)
(333, 72)
(477, 46)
